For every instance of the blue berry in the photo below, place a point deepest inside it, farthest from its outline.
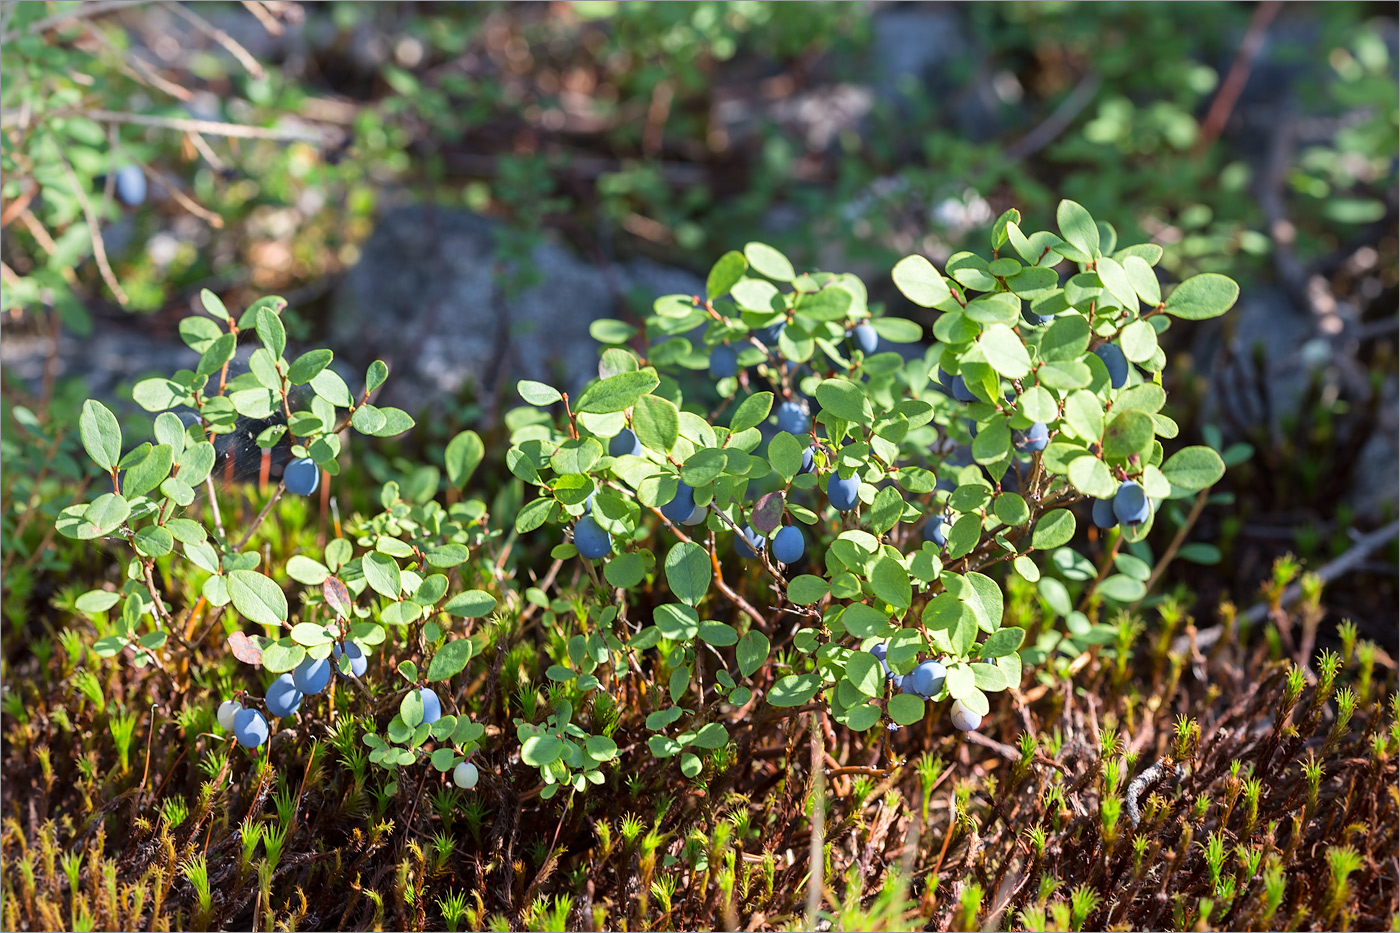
(769, 335)
(809, 459)
(1130, 505)
(1116, 362)
(928, 678)
(749, 543)
(724, 362)
(960, 390)
(682, 504)
(865, 337)
(358, 662)
(312, 675)
(1033, 319)
(624, 442)
(843, 493)
(789, 545)
(793, 418)
(432, 707)
(283, 697)
(1034, 438)
(697, 515)
(131, 185)
(591, 540)
(1103, 513)
(881, 652)
(936, 531)
(250, 728)
(302, 476)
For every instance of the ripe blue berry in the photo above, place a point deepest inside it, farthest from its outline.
(881, 652)
(681, 504)
(936, 531)
(227, 711)
(960, 390)
(1130, 505)
(789, 545)
(769, 335)
(964, 719)
(928, 678)
(465, 775)
(1033, 319)
(131, 185)
(1033, 439)
(302, 476)
(809, 459)
(697, 515)
(312, 675)
(724, 362)
(250, 728)
(358, 662)
(843, 493)
(1116, 362)
(749, 543)
(865, 337)
(283, 697)
(794, 418)
(432, 707)
(591, 540)
(624, 442)
(1103, 514)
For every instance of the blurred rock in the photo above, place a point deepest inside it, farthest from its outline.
(427, 298)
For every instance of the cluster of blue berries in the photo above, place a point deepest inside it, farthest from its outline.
(285, 694)
(926, 680)
(1129, 505)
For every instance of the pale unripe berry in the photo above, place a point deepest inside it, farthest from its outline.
(465, 775)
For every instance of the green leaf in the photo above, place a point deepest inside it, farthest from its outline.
(718, 633)
(794, 690)
(396, 422)
(271, 331)
(153, 541)
(688, 571)
(307, 571)
(1065, 339)
(471, 604)
(625, 570)
(106, 513)
(703, 467)
(1084, 415)
(1143, 279)
(886, 510)
(964, 535)
(768, 261)
(213, 304)
(464, 453)
(576, 456)
(806, 589)
(1091, 476)
(149, 472)
(411, 709)
(1078, 229)
(257, 597)
(751, 412)
(1004, 351)
(1011, 509)
(845, 400)
(890, 582)
(1054, 529)
(102, 436)
(310, 634)
(306, 366)
(329, 386)
(446, 555)
(451, 659)
(382, 574)
(863, 670)
(752, 652)
(282, 655)
(618, 392)
(537, 393)
(906, 709)
(656, 422)
(920, 282)
(1115, 279)
(1194, 468)
(725, 274)
(830, 304)
(1130, 432)
(1003, 642)
(1139, 341)
(375, 375)
(1203, 296)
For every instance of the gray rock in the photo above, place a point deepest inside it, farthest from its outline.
(428, 297)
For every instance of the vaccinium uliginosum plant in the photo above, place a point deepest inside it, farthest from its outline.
(376, 589)
(1012, 416)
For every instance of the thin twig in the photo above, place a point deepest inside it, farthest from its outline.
(1058, 121)
(1196, 509)
(269, 22)
(249, 63)
(138, 68)
(184, 200)
(86, 11)
(214, 505)
(213, 127)
(1233, 86)
(281, 487)
(99, 250)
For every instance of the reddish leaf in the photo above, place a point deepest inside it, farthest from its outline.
(337, 596)
(245, 649)
(767, 513)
